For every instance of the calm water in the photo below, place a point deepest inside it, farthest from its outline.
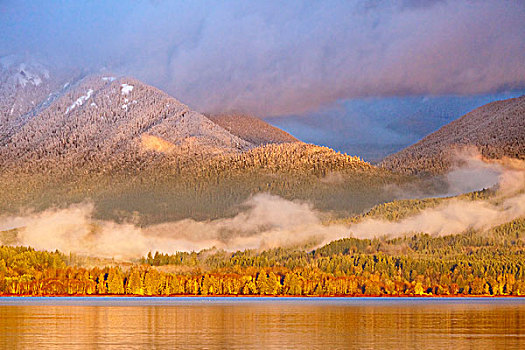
(261, 323)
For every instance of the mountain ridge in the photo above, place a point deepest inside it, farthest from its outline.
(251, 129)
(496, 129)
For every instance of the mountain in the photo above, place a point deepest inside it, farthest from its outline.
(103, 121)
(140, 154)
(497, 129)
(252, 129)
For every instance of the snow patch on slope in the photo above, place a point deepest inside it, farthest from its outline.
(126, 88)
(80, 101)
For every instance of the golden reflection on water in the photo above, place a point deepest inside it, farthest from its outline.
(262, 324)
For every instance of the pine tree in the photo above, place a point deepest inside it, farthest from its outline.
(115, 281)
(101, 284)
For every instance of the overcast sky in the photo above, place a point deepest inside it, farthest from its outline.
(286, 58)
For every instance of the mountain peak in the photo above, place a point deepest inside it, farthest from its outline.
(99, 118)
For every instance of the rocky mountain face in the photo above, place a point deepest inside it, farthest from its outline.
(497, 130)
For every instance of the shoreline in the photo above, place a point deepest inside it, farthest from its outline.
(124, 296)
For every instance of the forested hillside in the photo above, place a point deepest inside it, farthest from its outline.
(202, 187)
(251, 129)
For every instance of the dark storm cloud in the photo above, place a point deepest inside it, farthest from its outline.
(276, 58)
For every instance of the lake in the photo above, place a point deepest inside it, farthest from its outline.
(262, 323)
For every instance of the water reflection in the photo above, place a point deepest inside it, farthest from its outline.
(189, 323)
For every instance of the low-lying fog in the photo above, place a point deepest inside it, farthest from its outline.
(270, 221)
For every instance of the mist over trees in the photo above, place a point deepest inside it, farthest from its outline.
(474, 263)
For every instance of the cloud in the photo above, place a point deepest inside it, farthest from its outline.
(275, 58)
(455, 216)
(471, 172)
(267, 222)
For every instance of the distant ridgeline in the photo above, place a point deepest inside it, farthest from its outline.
(496, 129)
(473, 263)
